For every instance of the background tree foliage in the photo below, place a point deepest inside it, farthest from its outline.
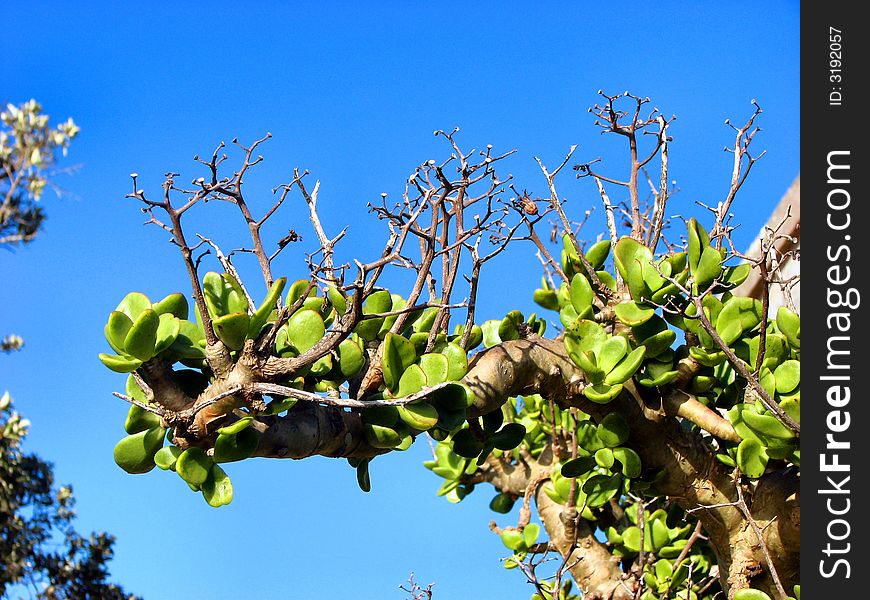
(657, 432)
(41, 554)
(28, 147)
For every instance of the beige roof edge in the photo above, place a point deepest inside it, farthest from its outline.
(791, 200)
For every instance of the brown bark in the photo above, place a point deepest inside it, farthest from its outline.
(595, 570)
(691, 474)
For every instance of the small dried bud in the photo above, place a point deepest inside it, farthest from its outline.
(527, 204)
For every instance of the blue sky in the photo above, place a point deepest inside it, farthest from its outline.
(351, 93)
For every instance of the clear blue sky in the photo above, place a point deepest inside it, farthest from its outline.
(352, 93)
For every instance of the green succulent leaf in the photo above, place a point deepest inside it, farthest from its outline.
(398, 355)
(789, 324)
(166, 457)
(607, 280)
(423, 323)
(363, 478)
(546, 298)
(421, 416)
(436, 367)
(531, 533)
(261, 315)
(190, 341)
(116, 330)
(611, 352)
(297, 289)
(508, 329)
(135, 453)
(626, 367)
(707, 358)
(512, 539)
(604, 458)
(767, 425)
(133, 304)
(217, 489)
(134, 391)
(663, 570)
(656, 374)
(613, 430)
(236, 426)
(508, 437)
(455, 396)
(173, 304)
(709, 267)
(120, 364)
(412, 381)
(475, 338)
(193, 465)
(632, 260)
(630, 460)
(492, 421)
(138, 419)
(788, 376)
(598, 253)
(568, 316)
(599, 489)
(315, 303)
(230, 447)
(632, 313)
(398, 303)
(751, 458)
(336, 298)
(142, 336)
(602, 393)
(502, 503)
(631, 539)
(378, 302)
(457, 361)
(577, 467)
(698, 241)
(659, 536)
(381, 415)
(589, 334)
(750, 594)
(232, 329)
(167, 332)
(654, 279)
(223, 295)
(654, 335)
(304, 329)
(584, 359)
(381, 436)
(351, 358)
(734, 276)
(581, 295)
(466, 444)
(490, 333)
(738, 315)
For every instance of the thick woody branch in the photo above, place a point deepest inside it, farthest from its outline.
(692, 475)
(683, 404)
(591, 564)
(314, 430)
(595, 570)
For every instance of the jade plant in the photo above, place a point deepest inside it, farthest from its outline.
(650, 413)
